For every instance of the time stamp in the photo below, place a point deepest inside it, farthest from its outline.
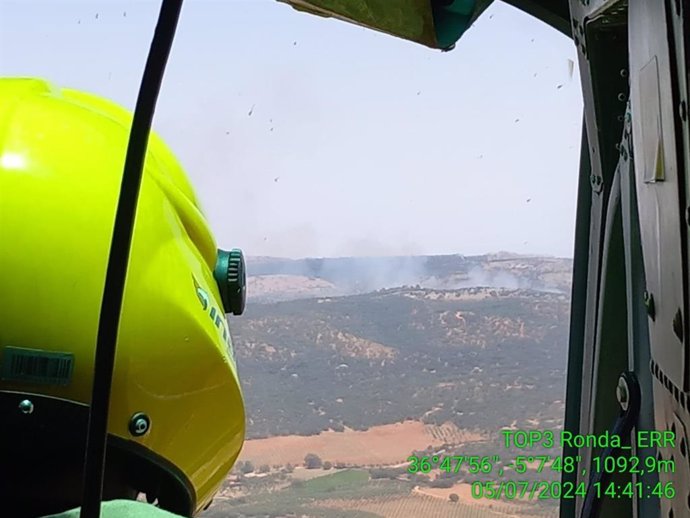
(492, 465)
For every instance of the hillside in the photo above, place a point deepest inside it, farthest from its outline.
(362, 360)
(275, 279)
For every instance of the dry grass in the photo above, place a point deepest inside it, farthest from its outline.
(418, 505)
(267, 285)
(379, 446)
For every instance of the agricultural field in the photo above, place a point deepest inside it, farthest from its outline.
(302, 498)
(353, 494)
(418, 505)
(522, 508)
(449, 433)
(379, 445)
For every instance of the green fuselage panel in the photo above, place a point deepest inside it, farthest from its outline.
(436, 24)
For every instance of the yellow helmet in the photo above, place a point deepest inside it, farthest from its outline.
(177, 418)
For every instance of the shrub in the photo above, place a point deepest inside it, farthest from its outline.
(378, 473)
(312, 461)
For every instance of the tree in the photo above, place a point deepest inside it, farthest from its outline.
(453, 497)
(442, 482)
(264, 468)
(327, 465)
(376, 473)
(312, 461)
(248, 467)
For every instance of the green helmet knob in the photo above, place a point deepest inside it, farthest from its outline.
(231, 276)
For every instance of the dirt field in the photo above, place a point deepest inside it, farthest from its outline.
(302, 473)
(380, 445)
(418, 505)
(266, 285)
(464, 491)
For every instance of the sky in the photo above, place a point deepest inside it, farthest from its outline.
(306, 136)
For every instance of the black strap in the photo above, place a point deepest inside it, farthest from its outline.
(118, 259)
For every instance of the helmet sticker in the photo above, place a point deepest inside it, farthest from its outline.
(37, 366)
(201, 293)
(216, 316)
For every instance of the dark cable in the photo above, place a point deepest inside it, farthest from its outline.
(113, 292)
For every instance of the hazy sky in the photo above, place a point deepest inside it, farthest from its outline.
(358, 143)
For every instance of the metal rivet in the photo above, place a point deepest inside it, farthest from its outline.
(139, 424)
(622, 97)
(624, 72)
(26, 407)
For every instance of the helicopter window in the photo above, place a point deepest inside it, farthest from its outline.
(407, 217)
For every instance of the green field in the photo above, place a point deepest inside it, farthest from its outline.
(343, 481)
(301, 496)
